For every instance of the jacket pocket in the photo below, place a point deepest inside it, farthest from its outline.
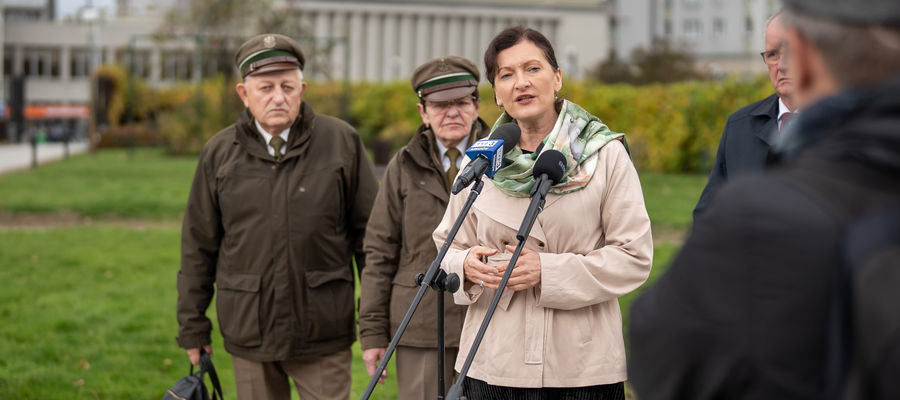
(340, 218)
(237, 306)
(329, 302)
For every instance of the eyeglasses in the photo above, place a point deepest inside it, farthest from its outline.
(441, 107)
(771, 57)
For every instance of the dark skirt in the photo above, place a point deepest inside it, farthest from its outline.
(475, 389)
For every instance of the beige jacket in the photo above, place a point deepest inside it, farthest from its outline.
(595, 246)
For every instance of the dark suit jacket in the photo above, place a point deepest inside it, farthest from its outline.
(746, 140)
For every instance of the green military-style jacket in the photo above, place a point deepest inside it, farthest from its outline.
(275, 240)
(399, 244)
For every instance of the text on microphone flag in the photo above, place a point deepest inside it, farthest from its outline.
(492, 150)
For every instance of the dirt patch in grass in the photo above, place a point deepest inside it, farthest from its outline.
(12, 221)
(668, 236)
(28, 221)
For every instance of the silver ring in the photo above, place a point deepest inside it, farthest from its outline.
(482, 283)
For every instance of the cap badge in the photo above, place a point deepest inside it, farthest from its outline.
(269, 41)
(443, 66)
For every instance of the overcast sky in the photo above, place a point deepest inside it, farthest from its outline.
(68, 7)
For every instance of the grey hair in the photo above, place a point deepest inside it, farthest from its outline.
(856, 55)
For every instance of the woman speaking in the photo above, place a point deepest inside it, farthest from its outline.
(558, 329)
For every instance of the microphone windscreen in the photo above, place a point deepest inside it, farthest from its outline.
(510, 134)
(552, 163)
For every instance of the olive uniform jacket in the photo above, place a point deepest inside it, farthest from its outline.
(276, 239)
(398, 246)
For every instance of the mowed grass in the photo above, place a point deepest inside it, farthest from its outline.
(152, 185)
(88, 312)
(147, 184)
(671, 198)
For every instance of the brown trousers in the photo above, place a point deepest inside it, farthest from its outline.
(417, 372)
(324, 377)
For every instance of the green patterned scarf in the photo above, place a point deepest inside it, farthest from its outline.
(577, 134)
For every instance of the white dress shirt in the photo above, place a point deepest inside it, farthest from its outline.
(461, 146)
(267, 137)
(782, 109)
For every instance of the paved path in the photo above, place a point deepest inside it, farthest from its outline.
(14, 157)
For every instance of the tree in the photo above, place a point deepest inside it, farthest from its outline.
(222, 25)
(662, 63)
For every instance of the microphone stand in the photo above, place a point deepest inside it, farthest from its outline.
(537, 204)
(438, 280)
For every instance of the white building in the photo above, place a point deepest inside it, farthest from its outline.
(725, 35)
(370, 40)
(366, 40)
(387, 39)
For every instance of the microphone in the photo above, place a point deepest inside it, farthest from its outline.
(486, 155)
(548, 169)
(550, 166)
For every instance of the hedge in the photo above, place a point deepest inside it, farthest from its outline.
(669, 127)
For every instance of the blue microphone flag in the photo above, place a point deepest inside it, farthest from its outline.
(492, 150)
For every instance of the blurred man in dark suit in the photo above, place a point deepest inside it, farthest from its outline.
(752, 131)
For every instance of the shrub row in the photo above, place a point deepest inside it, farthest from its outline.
(669, 127)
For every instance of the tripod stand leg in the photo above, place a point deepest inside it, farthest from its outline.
(440, 340)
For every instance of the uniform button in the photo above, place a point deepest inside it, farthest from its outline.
(273, 166)
(541, 244)
(504, 242)
(302, 189)
(421, 183)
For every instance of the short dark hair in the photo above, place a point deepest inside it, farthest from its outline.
(510, 37)
(856, 54)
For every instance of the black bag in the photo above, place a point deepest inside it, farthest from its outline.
(191, 387)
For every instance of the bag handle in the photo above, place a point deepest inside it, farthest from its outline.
(206, 367)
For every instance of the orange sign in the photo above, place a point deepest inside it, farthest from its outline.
(54, 112)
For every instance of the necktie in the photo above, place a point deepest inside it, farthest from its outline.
(276, 142)
(785, 120)
(453, 154)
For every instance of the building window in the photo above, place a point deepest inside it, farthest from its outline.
(177, 64)
(667, 27)
(15, 14)
(136, 61)
(692, 3)
(78, 62)
(218, 60)
(42, 62)
(692, 27)
(53, 60)
(748, 25)
(8, 57)
(718, 27)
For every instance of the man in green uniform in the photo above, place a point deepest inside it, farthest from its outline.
(276, 212)
(409, 205)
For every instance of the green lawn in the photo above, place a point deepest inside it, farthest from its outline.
(671, 199)
(88, 311)
(108, 183)
(151, 185)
